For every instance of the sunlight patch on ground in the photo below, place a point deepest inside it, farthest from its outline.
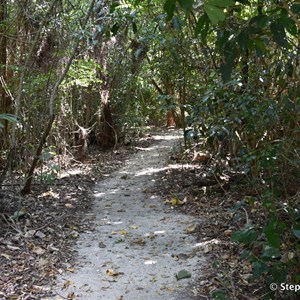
(210, 242)
(151, 148)
(159, 232)
(151, 170)
(167, 137)
(99, 194)
(73, 172)
(150, 262)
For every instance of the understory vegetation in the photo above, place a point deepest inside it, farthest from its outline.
(82, 75)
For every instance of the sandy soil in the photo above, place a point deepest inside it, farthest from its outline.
(138, 244)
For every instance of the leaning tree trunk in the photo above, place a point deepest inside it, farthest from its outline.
(27, 187)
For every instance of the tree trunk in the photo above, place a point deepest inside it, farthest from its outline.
(27, 187)
(5, 101)
(3, 46)
(107, 136)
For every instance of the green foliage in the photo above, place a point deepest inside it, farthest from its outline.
(272, 250)
(220, 295)
(214, 13)
(8, 117)
(215, 9)
(246, 236)
(49, 169)
(82, 74)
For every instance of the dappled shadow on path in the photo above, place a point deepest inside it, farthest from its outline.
(137, 241)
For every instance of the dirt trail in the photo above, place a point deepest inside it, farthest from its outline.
(138, 244)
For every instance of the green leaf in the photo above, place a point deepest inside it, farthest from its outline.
(289, 25)
(134, 27)
(8, 117)
(296, 231)
(177, 23)
(187, 5)
(243, 40)
(279, 35)
(115, 28)
(295, 8)
(202, 27)
(138, 52)
(17, 214)
(278, 69)
(259, 21)
(220, 295)
(245, 236)
(244, 1)
(183, 274)
(136, 2)
(271, 232)
(226, 71)
(271, 253)
(169, 8)
(289, 68)
(214, 13)
(260, 45)
(220, 3)
(258, 268)
(230, 54)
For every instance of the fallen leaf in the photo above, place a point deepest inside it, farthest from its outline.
(228, 232)
(183, 274)
(134, 227)
(101, 245)
(191, 228)
(30, 233)
(71, 295)
(39, 234)
(175, 201)
(50, 194)
(138, 241)
(207, 248)
(14, 248)
(17, 214)
(111, 272)
(38, 250)
(74, 234)
(71, 270)
(119, 241)
(67, 284)
(43, 262)
(8, 257)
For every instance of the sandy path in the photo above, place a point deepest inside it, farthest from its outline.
(137, 238)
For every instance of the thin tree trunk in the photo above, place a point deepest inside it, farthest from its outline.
(3, 57)
(27, 186)
(25, 67)
(107, 138)
(5, 103)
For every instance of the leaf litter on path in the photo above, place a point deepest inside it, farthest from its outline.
(143, 265)
(38, 231)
